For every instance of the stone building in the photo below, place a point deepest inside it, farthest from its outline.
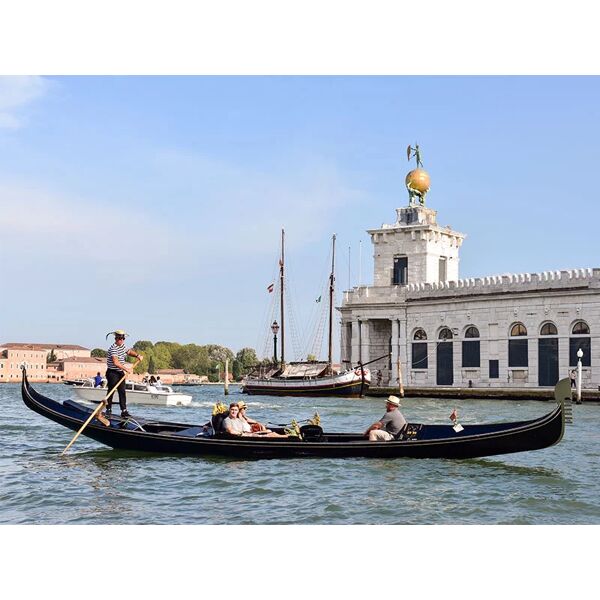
(515, 330)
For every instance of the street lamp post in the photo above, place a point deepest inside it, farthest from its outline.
(275, 330)
(579, 357)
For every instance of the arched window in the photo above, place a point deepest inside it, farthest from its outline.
(470, 348)
(580, 339)
(419, 350)
(548, 329)
(581, 328)
(518, 329)
(445, 334)
(518, 349)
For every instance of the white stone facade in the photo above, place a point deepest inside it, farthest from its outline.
(553, 308)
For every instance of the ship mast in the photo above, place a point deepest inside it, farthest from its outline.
(331, 292)
(281, 282)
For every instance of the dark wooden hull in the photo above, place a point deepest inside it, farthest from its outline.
(432, 441)
(351, 390)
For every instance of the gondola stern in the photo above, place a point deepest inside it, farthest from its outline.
(563, 397)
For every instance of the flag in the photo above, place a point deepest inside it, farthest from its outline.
(318, 299)
(454, 415)
(270, 288)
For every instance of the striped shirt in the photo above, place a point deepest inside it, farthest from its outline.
(121, 354)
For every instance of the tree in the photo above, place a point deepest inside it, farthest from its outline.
(247, 358)
(98, 353)
(51, 357)
(244, 360)
(162, 355)
(311, 358)
(218, 353)
(143, 346)
(151, 365)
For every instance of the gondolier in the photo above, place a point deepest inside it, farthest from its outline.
(116, 367)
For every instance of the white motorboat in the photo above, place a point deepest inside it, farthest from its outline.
(137, 393)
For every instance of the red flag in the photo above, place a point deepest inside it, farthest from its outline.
(270, 288)
(454, 415)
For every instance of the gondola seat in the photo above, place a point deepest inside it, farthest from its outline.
(311, 433)
(193, 432)
(409, 432)
(217, 422)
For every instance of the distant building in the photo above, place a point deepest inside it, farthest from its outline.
(179, 376)
(510, 330)
(60, 350)
(82, 367)
(13, 354)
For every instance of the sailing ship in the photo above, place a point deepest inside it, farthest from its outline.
(307, 378)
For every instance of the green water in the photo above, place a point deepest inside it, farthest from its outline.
(97, 485)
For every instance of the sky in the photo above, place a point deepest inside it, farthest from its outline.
(155, 204)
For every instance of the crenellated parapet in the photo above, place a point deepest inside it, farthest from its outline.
(494, 284)
(508, 282)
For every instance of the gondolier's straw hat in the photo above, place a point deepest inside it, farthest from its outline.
(394, 400)
(117, 333)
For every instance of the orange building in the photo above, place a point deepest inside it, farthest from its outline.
(82, 367)
(35, 356)
(13, 355)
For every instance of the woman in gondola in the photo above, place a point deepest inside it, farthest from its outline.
(237, 420)
(255, 426)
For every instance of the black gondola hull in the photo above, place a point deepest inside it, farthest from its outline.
(434, 441)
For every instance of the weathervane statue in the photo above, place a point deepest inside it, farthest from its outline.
(417, 154)
(417, 181)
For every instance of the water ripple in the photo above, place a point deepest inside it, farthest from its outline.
(96, 485)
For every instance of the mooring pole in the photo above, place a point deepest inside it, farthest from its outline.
(400, 384)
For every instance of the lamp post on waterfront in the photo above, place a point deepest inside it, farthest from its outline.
(275, 330)
(579, 357)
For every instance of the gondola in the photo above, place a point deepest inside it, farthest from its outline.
(416, 440)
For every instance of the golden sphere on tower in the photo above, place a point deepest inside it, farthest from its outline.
(418, 181)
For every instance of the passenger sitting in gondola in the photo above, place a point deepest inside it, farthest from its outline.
(390, 425)
(255, 426)
(233, 424)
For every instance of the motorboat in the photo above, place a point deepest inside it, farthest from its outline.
(137, 393)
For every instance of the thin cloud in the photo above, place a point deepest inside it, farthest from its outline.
(16, 95)
(45, 229)
(254, 204)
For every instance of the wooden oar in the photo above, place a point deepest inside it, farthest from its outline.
(99, 408)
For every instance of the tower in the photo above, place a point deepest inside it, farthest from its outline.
(415, 249)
